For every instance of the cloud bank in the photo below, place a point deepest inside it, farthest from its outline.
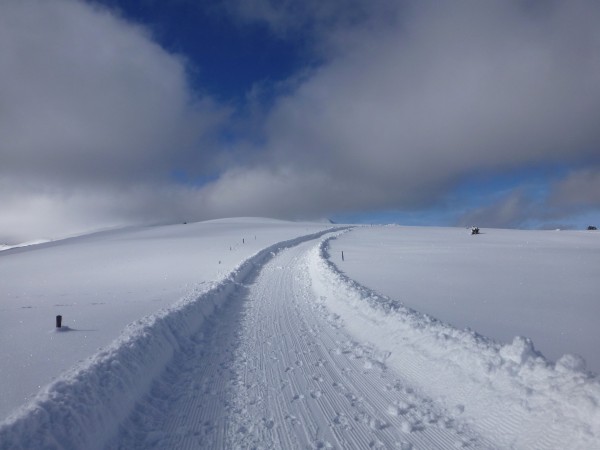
(408, 100)
(93, 111)
(408, 106)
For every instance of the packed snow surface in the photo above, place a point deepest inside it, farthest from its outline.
(507, 392)
(273, 345)
(544, 285)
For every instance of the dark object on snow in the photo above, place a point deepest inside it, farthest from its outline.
(474, 230)
(342, 255)
(592, 227)
(58, 321)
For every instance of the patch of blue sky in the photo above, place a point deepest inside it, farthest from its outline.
(476, 191)
(184, 178)
(225, 58)
(485, 187)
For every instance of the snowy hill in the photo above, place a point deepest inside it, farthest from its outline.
(102, 282)
(254, 332)
(501, 284)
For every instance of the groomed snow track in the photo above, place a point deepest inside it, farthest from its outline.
(274, 369)
(87, 403)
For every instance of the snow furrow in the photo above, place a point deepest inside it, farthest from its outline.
(285, 375)
(510, 393)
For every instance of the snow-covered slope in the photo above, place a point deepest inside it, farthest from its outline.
(23, 244)
(544, 285)
(102, 282)
(244, 333)
(508, 393)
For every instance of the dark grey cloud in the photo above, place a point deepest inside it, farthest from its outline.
(564, 203)
(289, 17)
(401, 112)
(510, 211)
(580, 189)
(87, 95)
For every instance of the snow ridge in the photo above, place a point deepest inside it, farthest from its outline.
(84, 406)
(509, 393)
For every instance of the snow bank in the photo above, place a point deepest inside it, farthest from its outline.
(509, 393)
(84, 407)
(24, 244)
(502, 283)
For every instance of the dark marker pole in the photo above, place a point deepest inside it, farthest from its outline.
(342, 255)
(58, 321)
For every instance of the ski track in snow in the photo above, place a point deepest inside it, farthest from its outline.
(273, 368)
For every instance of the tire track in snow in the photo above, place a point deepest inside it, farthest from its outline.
(274, 368)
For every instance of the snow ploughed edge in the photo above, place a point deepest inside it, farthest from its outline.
(85, 405)
(508, 393)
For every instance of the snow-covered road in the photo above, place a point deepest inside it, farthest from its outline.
(274, 368)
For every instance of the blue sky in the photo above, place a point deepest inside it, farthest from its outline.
(423, 113)
(226, 57)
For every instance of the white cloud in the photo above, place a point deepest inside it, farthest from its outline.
(90, 103)
(411, 97)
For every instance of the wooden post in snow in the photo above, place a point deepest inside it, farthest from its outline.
(342, 255)
(58, 321)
